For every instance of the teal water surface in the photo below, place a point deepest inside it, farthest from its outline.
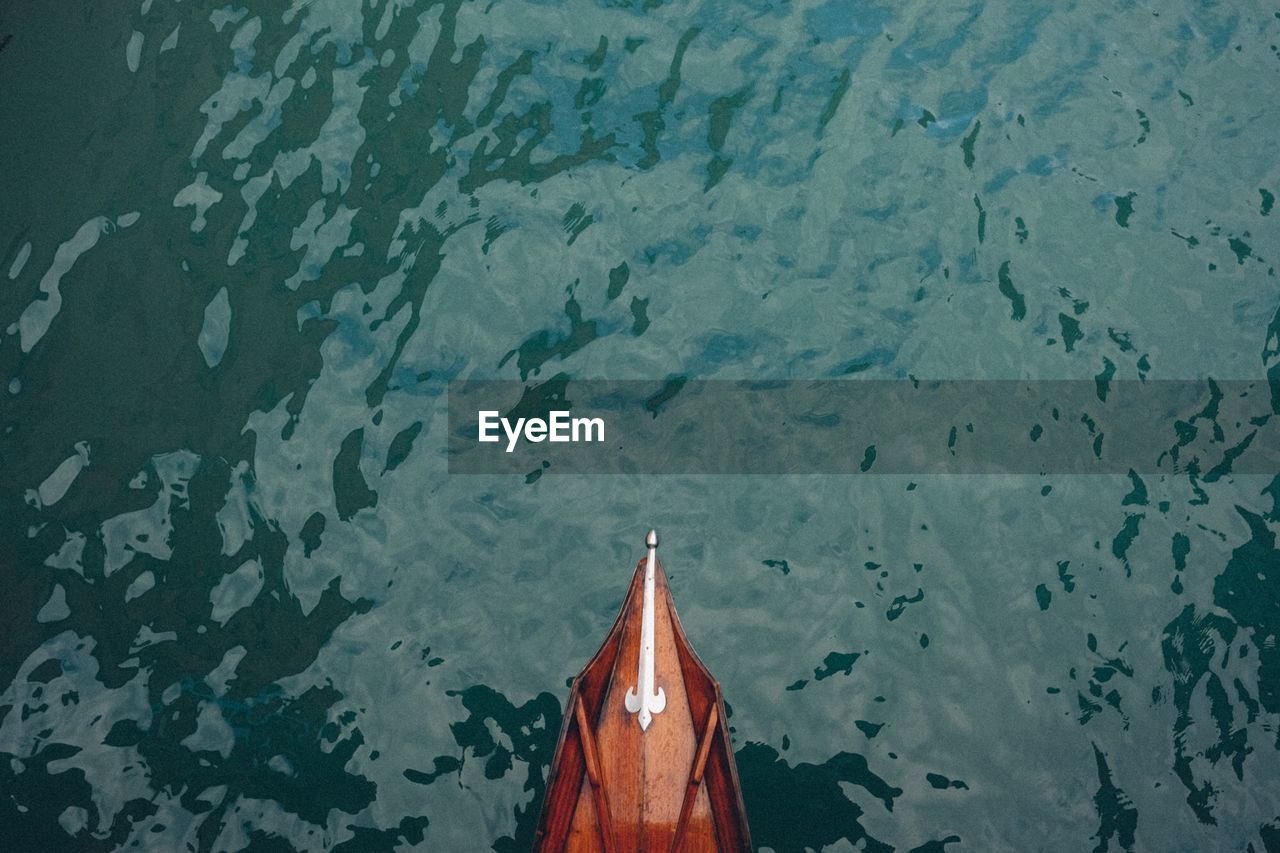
(244, 248)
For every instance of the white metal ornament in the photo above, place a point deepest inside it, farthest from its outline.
(644, 700)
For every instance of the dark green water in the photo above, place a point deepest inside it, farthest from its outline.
(243, 250)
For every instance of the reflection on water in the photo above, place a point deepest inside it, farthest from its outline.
(245, 248)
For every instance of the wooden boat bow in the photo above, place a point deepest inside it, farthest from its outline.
(644, 761)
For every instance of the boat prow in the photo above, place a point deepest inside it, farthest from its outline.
(644, 761)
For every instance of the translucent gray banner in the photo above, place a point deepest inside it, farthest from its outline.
(1201, 428)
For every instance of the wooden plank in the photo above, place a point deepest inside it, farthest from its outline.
(724, 794)
(695, 781)
(584, 831)
(560, 804)
(601, 802)
(700, 766)
(620, 739)
(670, 744)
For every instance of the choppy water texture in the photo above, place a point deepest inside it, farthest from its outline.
(242, 250)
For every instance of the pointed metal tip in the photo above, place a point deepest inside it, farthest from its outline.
(651, 540)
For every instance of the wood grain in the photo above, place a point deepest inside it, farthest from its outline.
(614, 787)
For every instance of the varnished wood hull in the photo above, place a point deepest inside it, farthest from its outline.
(617, 788)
